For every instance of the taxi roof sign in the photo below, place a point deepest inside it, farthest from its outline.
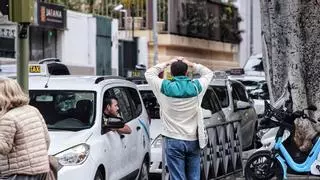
(34, 70)
(236, 71)
(220, 74)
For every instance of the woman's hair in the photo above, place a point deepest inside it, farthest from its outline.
(11, 95)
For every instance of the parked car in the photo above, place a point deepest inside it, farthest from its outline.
(44, 67)
(252, 83)
(55, 67)
(72, 107)
(212, 111)
(237, 105)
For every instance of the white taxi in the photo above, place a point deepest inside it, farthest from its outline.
(72, 107)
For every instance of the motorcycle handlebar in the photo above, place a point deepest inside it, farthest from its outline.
(296, 114)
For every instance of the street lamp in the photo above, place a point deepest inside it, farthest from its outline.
(119, 8)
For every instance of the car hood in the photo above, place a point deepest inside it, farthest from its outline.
(155, 129)
(62, 140)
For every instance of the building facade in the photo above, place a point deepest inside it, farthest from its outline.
(203, 31)
(251, 43)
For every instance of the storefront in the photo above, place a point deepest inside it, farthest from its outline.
(51, 19)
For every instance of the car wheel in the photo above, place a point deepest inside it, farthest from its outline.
(99, 175)
(144, 171)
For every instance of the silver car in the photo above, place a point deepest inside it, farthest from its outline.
(213, 114)
(237, 105)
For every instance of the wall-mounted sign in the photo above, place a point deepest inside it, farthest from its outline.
(7, 33)
(51, 15)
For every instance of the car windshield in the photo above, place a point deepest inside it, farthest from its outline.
(222, 94)
(65, 110)
(151, 104)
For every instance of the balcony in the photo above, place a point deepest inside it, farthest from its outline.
(204, 19)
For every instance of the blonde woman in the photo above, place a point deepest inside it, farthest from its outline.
(24, 138)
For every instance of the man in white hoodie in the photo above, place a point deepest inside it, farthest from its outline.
(179, 101)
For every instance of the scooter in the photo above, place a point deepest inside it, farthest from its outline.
(275, 160)
(266, 133)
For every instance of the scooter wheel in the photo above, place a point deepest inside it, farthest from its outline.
(262, 166)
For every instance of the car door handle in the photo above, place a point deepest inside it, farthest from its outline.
(138, 128)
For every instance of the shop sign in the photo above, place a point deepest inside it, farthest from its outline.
(51, 15)
(7, 33)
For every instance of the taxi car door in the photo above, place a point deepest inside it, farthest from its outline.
(115, 149)
(248, 117)
(131, 141)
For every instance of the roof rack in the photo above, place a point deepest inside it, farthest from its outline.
(101, 78)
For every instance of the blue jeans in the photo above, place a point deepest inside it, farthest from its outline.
(183, 159)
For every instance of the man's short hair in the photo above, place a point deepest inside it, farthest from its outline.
(179, 68)
(108, 101)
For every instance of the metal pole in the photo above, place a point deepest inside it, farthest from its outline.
(251, 27)
(23, 57)
(125, 22)
(155, 32)
(132, 15)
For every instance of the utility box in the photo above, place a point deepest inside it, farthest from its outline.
(21, 11)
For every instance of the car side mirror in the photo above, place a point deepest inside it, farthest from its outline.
(113, 123)
(241, 105)
(206, 113)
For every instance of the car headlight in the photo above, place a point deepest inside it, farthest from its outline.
(74, 156)
(157, 143)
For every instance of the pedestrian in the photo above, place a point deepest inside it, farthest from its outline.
(179, 100)
(111, 109)
(24, 138)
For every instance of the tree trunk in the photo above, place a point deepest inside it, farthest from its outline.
(291, 33)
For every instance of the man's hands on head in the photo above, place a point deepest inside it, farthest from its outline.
(179, 58)
(190, 64)
(168, 63)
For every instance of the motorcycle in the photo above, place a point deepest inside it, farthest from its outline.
(273, 159)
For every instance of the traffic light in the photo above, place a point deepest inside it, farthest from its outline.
(4, 7)
(21, 11)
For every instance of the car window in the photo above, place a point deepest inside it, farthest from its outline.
(239, 92)
(123, 103)
(151, 104)
(216, 101)
(135, 102)
(208, 101)
(65, 110)
(222, 93)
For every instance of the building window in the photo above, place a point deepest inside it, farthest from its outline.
(43, 43)
(7, 42)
